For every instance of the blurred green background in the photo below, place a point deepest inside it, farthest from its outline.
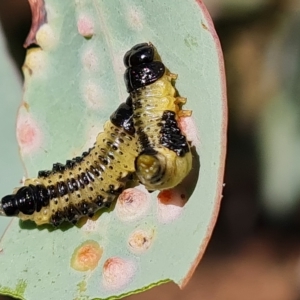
(255, 249)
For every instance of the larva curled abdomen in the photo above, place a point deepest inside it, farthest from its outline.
(164, 158)
(84, 184)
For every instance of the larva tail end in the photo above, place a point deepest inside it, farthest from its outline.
(8, 206)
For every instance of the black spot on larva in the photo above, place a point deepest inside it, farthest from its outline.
(129, 101)
(52, 191)
(142, 75)
(138, 123)
(75, 184)
(103, 160)
(84, 179)
(107, 204)
(143, 138)
(115, 190)
(70, 185)
(85, 153)
(111, 155)
(62, 188)
(58, 168)
(44, 174)
(99, 200)
(94, 170)
(171, 136)
(71, 213)
(101, 168)
(57, 218)
(90, 175)
(84, 206)
(78, 159)
(70, 164)
(122, 117)
(42, 196)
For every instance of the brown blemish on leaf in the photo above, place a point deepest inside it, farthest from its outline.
(26, 105)
(140, 240)
(172, 196)
(39, 17)
(165, 196)
(204, 26)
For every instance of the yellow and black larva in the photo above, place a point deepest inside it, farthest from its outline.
(164, 158)
(85, 183)
(142, 138)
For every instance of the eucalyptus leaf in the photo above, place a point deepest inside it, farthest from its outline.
(73, 82)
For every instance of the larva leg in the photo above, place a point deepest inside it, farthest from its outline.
(172, 76)
(180, 100)
(184, 113)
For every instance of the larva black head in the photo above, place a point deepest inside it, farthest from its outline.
(142, 68)
(122, 117)
(139, 54)
(27, 200)
(8, 206)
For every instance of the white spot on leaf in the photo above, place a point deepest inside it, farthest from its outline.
(90, 60)
(85, 26)
(132, 204)
(117, 273)
(135, 18)
(92, 95)
(35, 63)
(46, 38)
(29, 134)
(189, 128)
(170, 204)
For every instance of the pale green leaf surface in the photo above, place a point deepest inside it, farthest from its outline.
(64, 124)
(11, 171)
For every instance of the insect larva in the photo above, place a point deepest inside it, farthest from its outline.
(85, 183)
(164, 158)
(161, 158)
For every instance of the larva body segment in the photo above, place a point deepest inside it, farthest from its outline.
(84, 184)
(164, 158)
